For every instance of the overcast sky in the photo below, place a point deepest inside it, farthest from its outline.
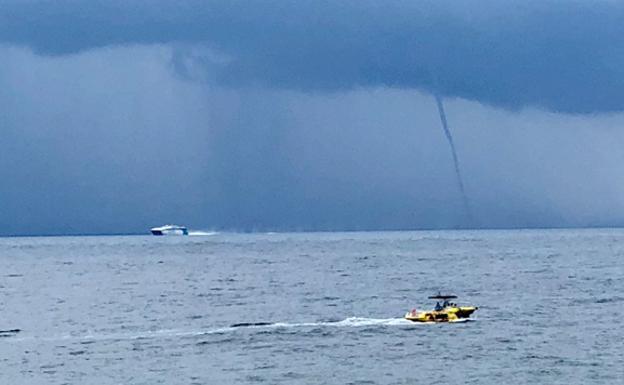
(116, 116)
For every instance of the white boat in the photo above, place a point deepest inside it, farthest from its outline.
(169, 230)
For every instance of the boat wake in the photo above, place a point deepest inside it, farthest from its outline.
(351, 322)
(347, 322)
(202, 233)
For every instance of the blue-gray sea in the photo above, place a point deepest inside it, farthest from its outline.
(159, 310)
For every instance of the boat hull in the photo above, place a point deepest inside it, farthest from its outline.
(175, 231)
(451, 314)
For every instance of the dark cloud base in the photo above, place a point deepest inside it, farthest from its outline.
(563, 56)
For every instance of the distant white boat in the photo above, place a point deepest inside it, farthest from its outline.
(169, 230)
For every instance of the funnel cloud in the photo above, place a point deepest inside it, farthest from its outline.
(458, 174)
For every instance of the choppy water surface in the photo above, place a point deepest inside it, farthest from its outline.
(149, 310)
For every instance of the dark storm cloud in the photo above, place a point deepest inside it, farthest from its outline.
(307, 115)
(566, 56)
(112, 140)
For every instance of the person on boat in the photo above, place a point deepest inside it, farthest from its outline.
(438, 307)
(445, 303)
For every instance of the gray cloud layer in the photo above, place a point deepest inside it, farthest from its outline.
(308, 115)
(112, 140)
(565, 56)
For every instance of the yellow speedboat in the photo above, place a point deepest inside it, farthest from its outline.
(445, 312)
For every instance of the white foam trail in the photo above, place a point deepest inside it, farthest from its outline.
(348, 322)
(360, 322)
(202, 233)
(351, 322)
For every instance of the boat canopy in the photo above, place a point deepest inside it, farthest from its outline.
(442, 297)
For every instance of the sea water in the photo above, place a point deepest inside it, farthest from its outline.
(313, 308)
